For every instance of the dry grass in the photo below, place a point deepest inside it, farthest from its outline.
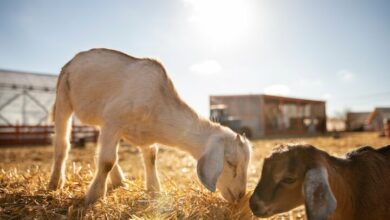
(24, 172)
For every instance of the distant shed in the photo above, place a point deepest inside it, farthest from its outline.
(356, 121)
(263, 115)
(378, 118)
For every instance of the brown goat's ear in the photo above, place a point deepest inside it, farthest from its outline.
(210, 167)
(320, 202)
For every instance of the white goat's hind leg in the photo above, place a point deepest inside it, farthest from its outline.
(150, 154)
(57, 178)
(61, 145)
(117, 177)
(107, 158)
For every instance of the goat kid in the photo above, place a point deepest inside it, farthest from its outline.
(134, 99)
(353, 188)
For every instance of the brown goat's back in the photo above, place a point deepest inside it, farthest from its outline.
(371, 180)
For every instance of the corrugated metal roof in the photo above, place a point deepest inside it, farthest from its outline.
(293, 99)
(383, 109)
(26, 79)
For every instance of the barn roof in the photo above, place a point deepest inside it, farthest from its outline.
(268, 97)
(18, 79)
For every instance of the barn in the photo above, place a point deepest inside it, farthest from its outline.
(266, 115)
(26, 100)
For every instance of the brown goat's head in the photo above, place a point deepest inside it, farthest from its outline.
(293, 175)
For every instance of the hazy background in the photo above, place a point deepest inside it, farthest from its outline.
(335, 50)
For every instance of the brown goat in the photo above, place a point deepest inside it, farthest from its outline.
(355, 187)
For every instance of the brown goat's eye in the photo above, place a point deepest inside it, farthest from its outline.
(289, 180)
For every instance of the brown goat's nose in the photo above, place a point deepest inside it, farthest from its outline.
(257, 207)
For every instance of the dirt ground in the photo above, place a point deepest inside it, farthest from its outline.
(24, 173)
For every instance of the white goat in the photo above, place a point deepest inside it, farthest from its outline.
(134, 99)
(353, 188)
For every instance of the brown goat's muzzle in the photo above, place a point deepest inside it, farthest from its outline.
(258, 207)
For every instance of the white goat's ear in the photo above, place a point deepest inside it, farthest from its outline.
(320, 202)
(210, 167)
(240, 139)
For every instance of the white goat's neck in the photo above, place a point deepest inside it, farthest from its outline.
(189, 132)
(195, 138)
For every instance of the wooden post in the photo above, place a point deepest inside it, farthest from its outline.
(387, 127)
(17, 133)
(24, 116)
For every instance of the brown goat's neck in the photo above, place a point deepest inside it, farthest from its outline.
(342, 188)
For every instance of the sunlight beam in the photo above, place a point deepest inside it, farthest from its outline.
(221, 21)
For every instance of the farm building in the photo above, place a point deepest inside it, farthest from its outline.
(356, 121)
(26, 100)
(263, 115)
(378, 118)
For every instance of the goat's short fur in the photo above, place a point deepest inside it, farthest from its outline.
(351, 188)
(134, 99)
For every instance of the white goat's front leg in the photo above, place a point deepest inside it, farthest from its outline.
(117, 177)
(150, 154)
(107, 158)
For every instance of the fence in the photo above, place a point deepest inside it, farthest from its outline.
(12, 135)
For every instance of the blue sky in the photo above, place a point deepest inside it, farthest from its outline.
(335, 50)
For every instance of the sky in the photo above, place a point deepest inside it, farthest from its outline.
(332, 50)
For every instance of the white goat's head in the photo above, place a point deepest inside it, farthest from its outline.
(294, 175)
(224, 165)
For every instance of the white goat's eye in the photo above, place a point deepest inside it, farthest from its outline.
(230, 164)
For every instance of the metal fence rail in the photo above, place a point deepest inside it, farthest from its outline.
(12, 135)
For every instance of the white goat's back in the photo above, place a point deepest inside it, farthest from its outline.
(107, 85)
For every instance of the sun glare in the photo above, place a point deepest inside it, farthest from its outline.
(221, 21)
